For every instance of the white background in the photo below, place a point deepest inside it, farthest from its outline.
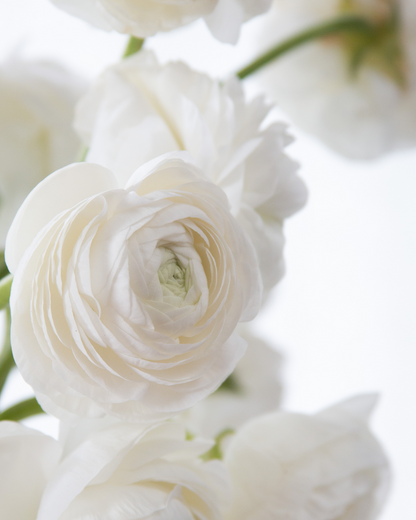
(345, 314)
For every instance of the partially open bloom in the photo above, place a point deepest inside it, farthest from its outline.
(139, 109)
(356, 93)
(122, 471)
(125, 301)
(254, 388)
(37, 102)
(27, 460)
(143, 18)
(326, 466)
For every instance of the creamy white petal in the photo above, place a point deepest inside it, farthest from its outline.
(140, 101)
(126, 302)
(58, 192)
(143, 18)
(326, 466)
(27, 460)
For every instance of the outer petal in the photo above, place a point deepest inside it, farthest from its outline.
(58, 192)
(27, 459)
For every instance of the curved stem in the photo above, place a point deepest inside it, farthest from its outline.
(21, 410)
(133, 45)
(6, 356)
(331, 27)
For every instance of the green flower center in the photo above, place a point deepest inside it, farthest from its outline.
(174, 278)
(380, 48)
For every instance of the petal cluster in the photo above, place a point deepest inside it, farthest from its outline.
(126, 301)
(143, 18)
(254, 388)
(362, 113)
(124, 471)
(327, 466)
(167, 108)
(37, 102)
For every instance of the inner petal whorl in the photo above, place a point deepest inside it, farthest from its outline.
(174, 278)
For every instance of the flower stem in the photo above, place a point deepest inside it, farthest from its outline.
(216, 452)
(334, 26)
(5, 288)
(21, 410)
(3, 267)
(6, 356)
(133, 45)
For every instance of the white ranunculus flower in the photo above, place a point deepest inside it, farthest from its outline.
(254, 388)
(123, 471)
(143, 18)
(361, 114)
(27, 460)
(139, 109)
(36, 137)
(125, 301)
(327, 466)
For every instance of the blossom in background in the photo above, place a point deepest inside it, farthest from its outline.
(125, 471)
(254, 388)
(37, 102)
(139, 109)
(27, 460)
(143, 18)
(326, 466)
(357, 97)
(125, 301)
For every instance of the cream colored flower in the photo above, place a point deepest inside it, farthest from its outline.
(139, 109)
(122, 471)
(254, 388)
(143, 18)
(125, 301)
(360, 101)
(36, 137)
(326, 466)
(27, 460)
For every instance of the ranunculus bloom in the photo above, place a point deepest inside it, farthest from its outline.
(254, 388)
(361, 113)
(139, 109)
(125, 301)
(36, 137)
(326, 466)
(143, 18)
(125, 472)
(27, 460)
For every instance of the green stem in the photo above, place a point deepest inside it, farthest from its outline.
(21, 410)
(5, 288)
(6, 356)
(133, 45)
(331, 27)
(3, 267)
(216, 452)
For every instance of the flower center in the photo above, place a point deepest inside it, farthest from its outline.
(174, 278)
(381, 48)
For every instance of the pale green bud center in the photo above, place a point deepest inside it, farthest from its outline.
(174, 278)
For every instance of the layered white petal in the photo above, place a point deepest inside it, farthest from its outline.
(36, 137)
(322, 467)
(125, 302)
(140, 109)
(125, 471)
(254, 388)
(27, 460)
(361, 115)
(143, 18)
